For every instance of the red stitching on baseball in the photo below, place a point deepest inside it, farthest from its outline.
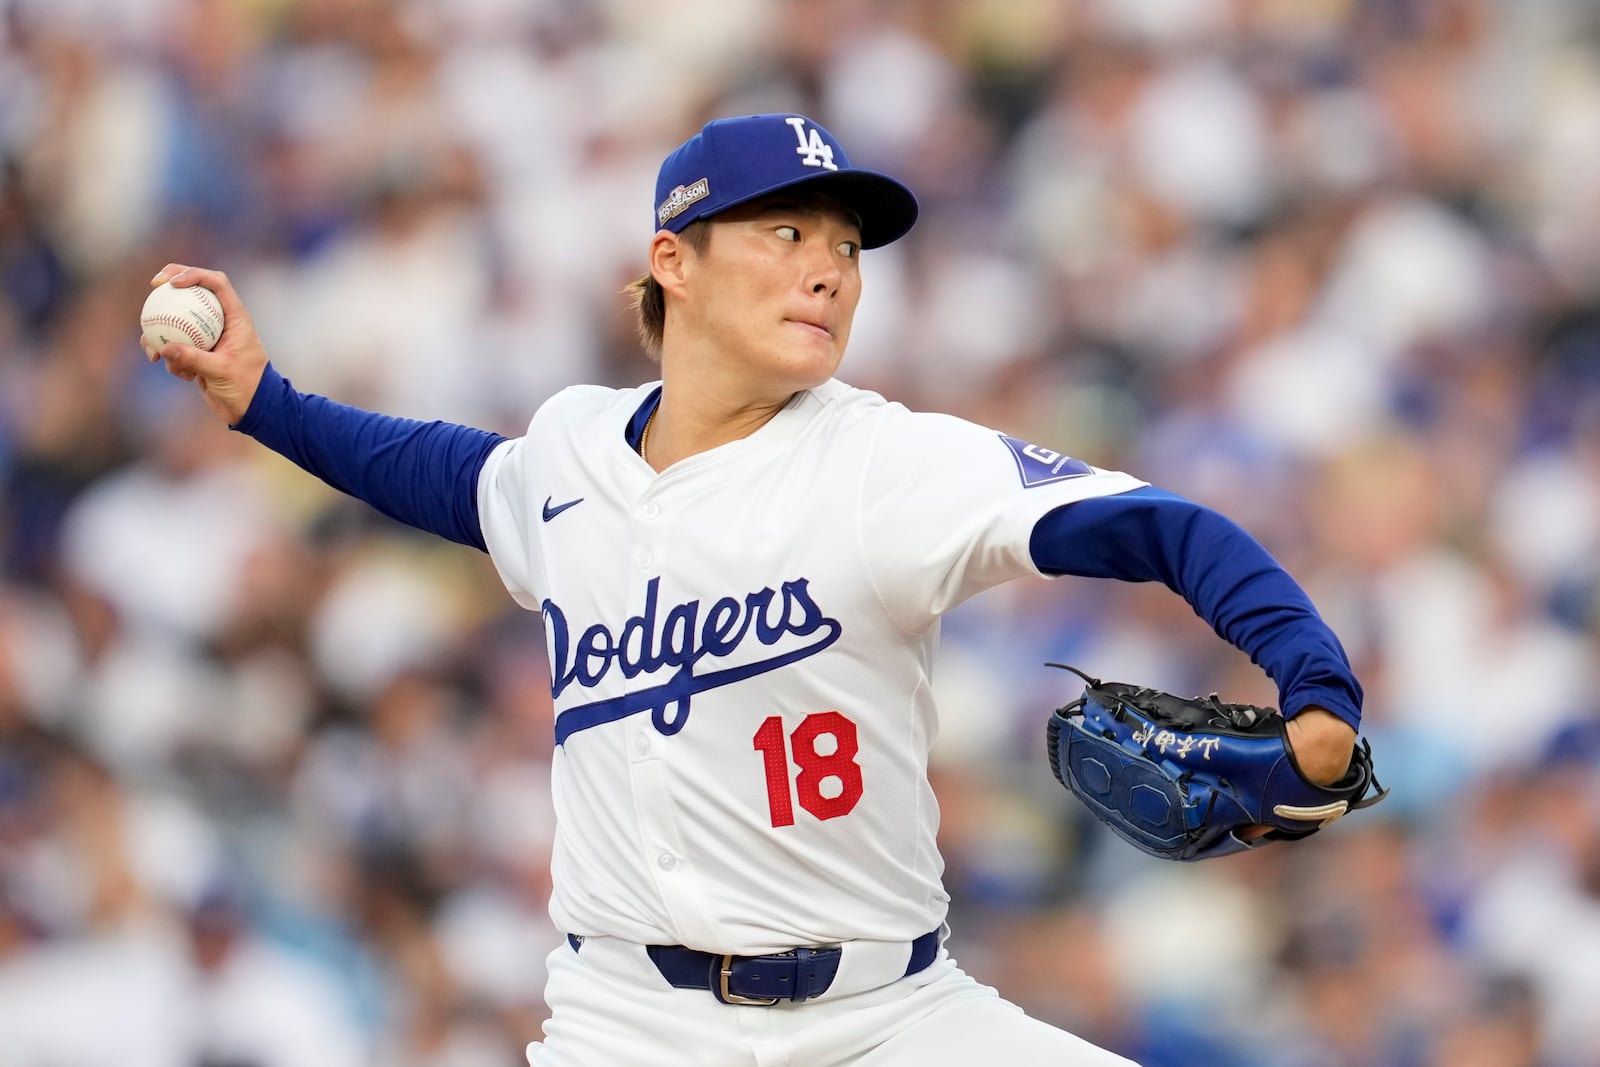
(172, 320)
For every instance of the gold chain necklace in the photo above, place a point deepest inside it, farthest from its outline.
(644, 435)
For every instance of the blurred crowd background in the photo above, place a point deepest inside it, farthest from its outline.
(273, 770)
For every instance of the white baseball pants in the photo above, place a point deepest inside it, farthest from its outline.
(610, 1007)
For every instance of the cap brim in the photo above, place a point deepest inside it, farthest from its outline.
(886, 208)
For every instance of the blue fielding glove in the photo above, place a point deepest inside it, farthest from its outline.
(1182, 778)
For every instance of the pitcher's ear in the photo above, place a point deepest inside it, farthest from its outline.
(668, 259)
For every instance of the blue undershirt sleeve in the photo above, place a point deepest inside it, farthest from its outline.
(424, 474)
(1229, 579)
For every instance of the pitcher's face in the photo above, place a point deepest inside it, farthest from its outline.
(777, 287)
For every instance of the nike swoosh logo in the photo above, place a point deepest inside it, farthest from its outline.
(552, 512)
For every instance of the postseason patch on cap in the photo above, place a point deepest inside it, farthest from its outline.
(678, 201)
(1041, 466)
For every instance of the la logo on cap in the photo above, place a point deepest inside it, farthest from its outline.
(735, 160)
(814, 150)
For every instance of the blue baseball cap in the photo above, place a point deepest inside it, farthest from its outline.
(731, 161)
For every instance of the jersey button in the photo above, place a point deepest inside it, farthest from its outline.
(667, 861)
(650, 510)
(641, 744)
(645, 557)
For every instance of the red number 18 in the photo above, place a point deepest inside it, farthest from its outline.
(816, 767)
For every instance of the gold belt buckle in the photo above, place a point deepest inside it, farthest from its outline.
(734, 998)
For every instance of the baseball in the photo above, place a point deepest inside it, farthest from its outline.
(192, 315)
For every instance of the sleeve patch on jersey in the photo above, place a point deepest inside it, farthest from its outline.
(1038, 465)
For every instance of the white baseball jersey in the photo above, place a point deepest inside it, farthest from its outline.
(742, 649)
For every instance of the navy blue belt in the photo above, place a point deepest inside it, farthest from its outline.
(796, 975)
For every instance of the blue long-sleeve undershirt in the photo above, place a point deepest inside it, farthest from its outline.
(1228, 578)
(425, 474)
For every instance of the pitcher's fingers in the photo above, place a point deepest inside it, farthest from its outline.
(167, 272)
(150, 352)
(178, 370)
(233, 312)
(185, 361)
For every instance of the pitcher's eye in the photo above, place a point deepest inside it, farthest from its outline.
(788, 233)
(849, 249)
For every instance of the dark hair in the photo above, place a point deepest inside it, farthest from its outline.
(648, 299)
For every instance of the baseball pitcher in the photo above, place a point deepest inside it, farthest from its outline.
(741, 570)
